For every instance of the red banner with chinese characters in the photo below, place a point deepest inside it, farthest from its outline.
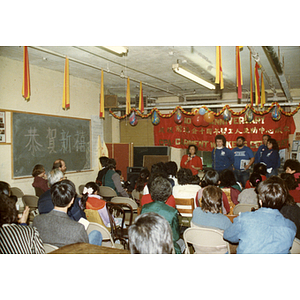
(168, 133)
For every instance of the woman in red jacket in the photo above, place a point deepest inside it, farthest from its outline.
(191, 160)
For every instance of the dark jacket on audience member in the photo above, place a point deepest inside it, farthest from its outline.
(292, 212)
(45, 205)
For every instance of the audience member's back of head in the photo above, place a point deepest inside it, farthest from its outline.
(8, 211)
(211, 177)
(111, 163)
(103, 161)
(260, 169)
(37, 170)
(255, 179)
(5, 188)
(171, 168)
(184, 176)
(54, 176)
(289, 179)
(142, 179)
(227, 178)
(293, 164)
(212, 199)
(150, 234)
(160, 189)
(159, 168)
(62, 193)
(89, 189)
(272, 193)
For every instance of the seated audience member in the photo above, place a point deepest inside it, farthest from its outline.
(6, 190)
(231, 189)
(209, 213)
(56, 227)
(40, 178)
(261, 169)
(211, 177)
(172, 168)
(292, 185)
(103, 162)
(15, 236)
(91, 200)
(160, 191)
(112, 178)
(292, 166)
(249, 196)
(150, 234)
(290, 209)
(185, 188)
(147, 198)
(45, 204)
(60, 164)
(265, 230)
(156, 168)
(141, 181)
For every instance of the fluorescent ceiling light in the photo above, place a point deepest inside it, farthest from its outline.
(181, 71)
(117, 49)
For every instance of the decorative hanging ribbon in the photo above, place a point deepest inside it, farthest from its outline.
(128, 107)
(263, 94)
(251, 81)
(66, 91)
(26, 75)
(257, 91)
(141, 102)
(102, 114)
(239, 78)
(219, 71)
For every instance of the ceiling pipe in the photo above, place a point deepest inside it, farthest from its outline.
(99, 68)
(277, 68)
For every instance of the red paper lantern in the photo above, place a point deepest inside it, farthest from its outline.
(197, 120)
(209, 117)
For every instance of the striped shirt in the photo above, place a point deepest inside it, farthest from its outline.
(19, 239)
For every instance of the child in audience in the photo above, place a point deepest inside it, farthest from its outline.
(91, 200)
(249, 196)
(261, 169)
(209, 214)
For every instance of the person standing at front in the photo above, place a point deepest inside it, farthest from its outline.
(243, 159)
(222, 157)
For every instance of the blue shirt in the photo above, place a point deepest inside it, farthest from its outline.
(264, 231)
(259, 153)
(222, 159)
(239, 154)
(204, 218)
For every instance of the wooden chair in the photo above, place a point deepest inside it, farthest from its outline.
(107, 239)
(205, 240)
(107, 192)
(119, 231)
(243, 207)
(49, 248)
(133, 205)
(185, 208)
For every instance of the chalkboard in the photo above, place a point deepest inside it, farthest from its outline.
(139, 152)
(41, 139)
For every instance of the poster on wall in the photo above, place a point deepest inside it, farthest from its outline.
(2, 127)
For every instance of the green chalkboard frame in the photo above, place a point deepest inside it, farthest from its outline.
(41, 139)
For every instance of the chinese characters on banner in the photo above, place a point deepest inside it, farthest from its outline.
(168, 133)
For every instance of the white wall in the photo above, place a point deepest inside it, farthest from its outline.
(46, 98)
